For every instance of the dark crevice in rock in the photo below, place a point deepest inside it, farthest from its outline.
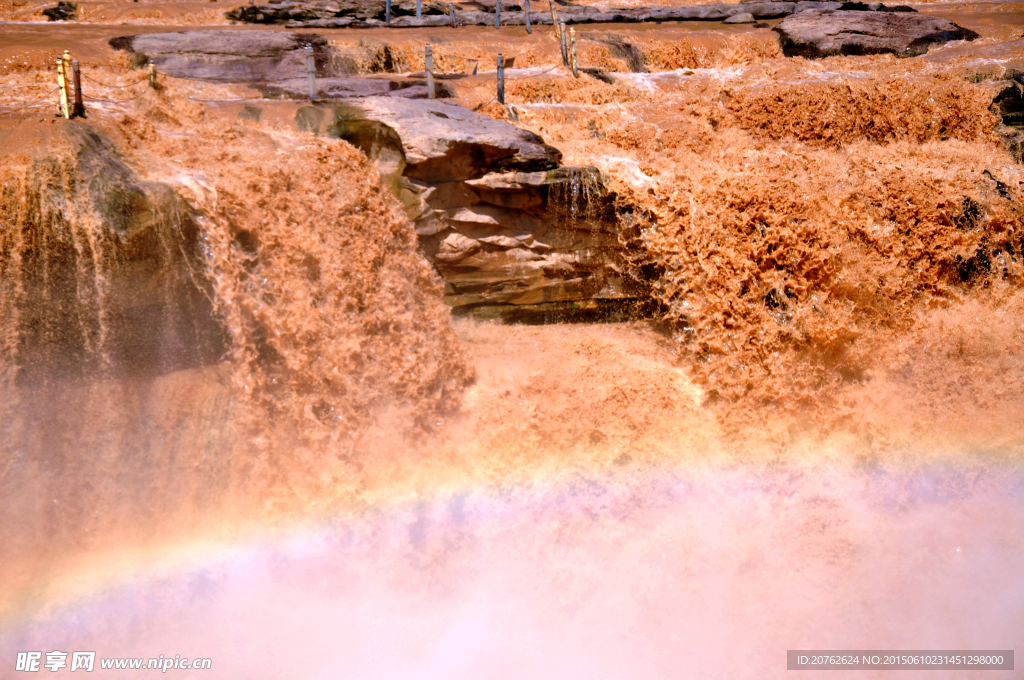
(1008, 106)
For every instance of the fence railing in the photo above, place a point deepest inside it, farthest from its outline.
(71, 99)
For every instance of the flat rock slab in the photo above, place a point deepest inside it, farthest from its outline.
(821, 33)
(443, 140)
(226, 55)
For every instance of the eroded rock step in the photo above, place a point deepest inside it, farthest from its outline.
(513, 233)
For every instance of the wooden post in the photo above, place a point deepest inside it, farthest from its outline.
(572, 38)
(501, 78)
(497, 14)
(528, 29)
(561, 39)
(311, 70)
(62, 85)
(429, 61)
(152, 76)
(387, 11)
(419, 9)
(554, 21)
(76, 81)
(451, 11)
(66, 58)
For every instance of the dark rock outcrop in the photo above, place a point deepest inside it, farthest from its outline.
(64, 11)
(821, 33)
(512, 233)
(356, 13)
(107, 271)
(1008, 106)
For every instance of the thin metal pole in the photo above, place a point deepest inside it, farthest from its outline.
(528, 29)
(430, 71)
(501, 78)
(76, 79)
(387, 11)
(561, 39)
(572, 39)
(451, 11)
(419, 9)
(497, 14)
(311, 70)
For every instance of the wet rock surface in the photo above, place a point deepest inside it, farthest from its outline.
(110, 273)
(512, 233)
(821, 33)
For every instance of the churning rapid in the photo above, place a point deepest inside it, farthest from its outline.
(264, 398)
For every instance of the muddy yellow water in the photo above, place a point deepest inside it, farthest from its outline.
(817, 444)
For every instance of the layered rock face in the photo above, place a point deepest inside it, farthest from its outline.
(824, 32)
(101, 271)
(538, 238)
(513, 233)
